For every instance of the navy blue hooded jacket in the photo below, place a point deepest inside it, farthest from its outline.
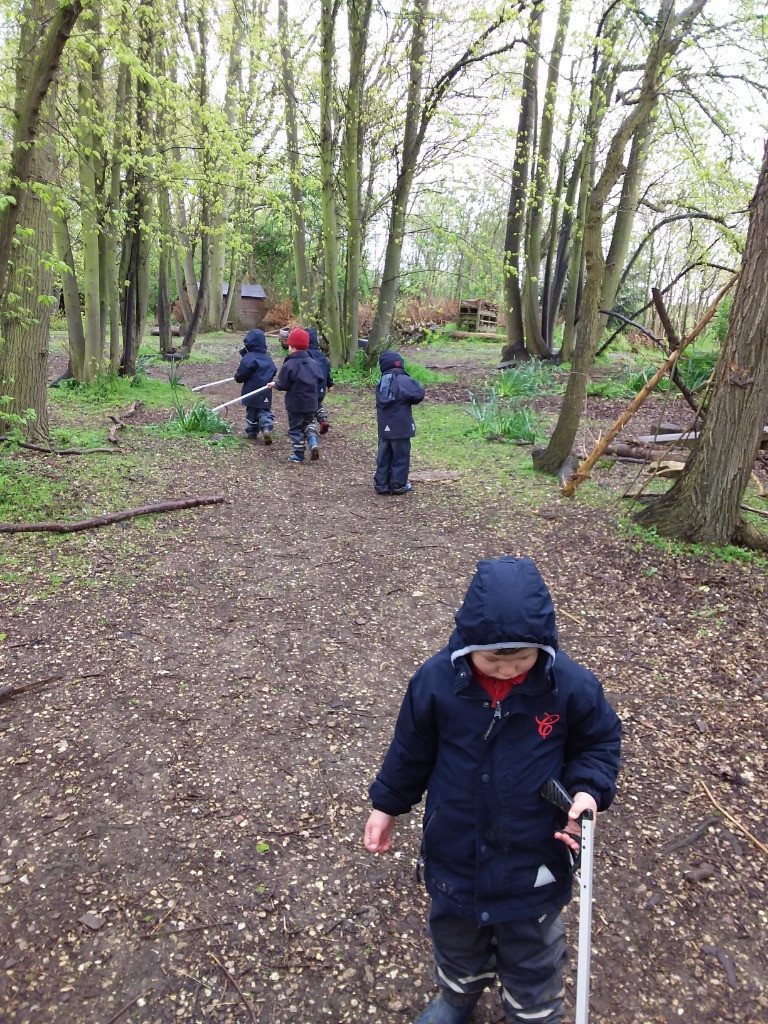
(256, 369)
(322, 361)
(396, 392)
(301, 379)
(488, 847)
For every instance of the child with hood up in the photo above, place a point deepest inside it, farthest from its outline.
(396, 393)
(485, 723)
(256, 370)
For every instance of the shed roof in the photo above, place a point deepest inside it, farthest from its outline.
(247, 291)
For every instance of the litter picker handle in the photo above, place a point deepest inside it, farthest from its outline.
(558, 795)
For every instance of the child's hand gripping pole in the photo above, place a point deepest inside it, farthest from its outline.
(553, 791)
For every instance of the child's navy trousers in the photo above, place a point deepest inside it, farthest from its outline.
(526, 956)
(392, 464)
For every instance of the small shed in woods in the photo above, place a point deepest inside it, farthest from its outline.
(252, 306)
(246, 311)
(478, 315)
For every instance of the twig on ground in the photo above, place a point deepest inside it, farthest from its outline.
(9, 690)
(112, 517)
(240, 992)
(564, 612)
(696, 834)
(127, 1006)
(735, 821)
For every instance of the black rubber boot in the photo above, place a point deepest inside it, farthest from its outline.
(441, 1012)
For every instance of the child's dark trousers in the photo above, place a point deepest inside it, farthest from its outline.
(526, 956)
(301, 426)
(258, 419)
(392, 464)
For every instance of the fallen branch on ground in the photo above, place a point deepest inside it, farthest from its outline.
(58, 451)
(118, 421)
(9, 690)
(111, 517)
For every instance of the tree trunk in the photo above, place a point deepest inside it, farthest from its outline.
(74, 317)
(24, 312)
(331, 313)
(91, 280)
(668, 35)
(36, 71)
(703, 506)
(358, 17)
(385, 305)
(535, 337)
(298, 226)
(515, 348)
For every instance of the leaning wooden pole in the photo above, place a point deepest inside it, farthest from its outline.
(582, 473)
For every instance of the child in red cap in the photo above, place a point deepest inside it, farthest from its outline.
(301, 379)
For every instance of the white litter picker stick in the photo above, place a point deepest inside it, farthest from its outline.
(553, 791)
(213, 383)
(240, 398)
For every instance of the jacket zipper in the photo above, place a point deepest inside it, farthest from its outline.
(496, 718)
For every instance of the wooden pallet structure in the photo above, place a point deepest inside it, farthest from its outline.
(477, 315)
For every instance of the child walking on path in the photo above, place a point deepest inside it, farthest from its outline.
(484, 724)
(322, 360)
(300, 377)
(256, 369)
(396, 392)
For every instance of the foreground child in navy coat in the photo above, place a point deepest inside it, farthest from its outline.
(322, 360)
(257, 369)
(396, 392)
(484, 724)
(300, 377)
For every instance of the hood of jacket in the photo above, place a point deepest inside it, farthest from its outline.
(254, 341)
(313, 342)
(507, 605)
(390, 360)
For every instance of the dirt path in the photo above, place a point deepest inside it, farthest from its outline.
(182, 809)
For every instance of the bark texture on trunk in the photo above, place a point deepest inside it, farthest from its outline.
(704, 504)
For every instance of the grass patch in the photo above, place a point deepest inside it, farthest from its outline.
(109, 391)
(360, 374)
(529, 379)
(648, 537)
(508, 422)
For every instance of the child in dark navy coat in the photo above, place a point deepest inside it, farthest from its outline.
(301, 378)
(256, 369)
(484, 724)
(396, 392)
(322, 360)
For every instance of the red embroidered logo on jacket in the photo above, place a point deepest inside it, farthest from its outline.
(546, 723)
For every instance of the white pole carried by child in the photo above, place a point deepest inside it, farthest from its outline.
(213, 384)
(241, 397)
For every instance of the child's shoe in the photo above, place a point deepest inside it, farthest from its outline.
(295, 457)
(267, 438)
(403, 490)
(314, 449)
(324, 427)
(440, 1012)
